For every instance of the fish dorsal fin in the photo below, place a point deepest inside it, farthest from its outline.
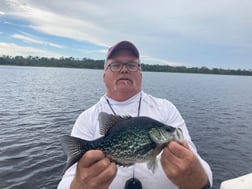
(107, 121)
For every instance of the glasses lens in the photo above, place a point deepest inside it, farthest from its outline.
(133, 183)
(116, 67)
(132, 66)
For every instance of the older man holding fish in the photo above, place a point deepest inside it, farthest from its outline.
(130, 139)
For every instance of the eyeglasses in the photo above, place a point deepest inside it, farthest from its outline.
(117, 66)
(133, 183)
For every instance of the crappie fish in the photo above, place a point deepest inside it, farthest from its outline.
(126, 140)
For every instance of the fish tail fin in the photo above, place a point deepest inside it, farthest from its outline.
(74, 148)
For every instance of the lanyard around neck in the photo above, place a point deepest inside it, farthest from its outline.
(138, 109)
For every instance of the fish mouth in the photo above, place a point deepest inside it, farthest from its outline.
(179, 135)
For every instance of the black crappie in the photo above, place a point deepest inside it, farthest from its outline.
(126, 140)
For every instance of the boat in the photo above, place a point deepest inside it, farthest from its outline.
(242, 182)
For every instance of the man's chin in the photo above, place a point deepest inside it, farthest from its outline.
(124, 89)
(124, 85)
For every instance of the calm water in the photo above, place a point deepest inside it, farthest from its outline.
(39, 105)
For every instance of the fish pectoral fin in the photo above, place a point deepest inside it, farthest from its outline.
(152, 164)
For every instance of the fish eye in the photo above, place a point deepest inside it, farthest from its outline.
(169, 128)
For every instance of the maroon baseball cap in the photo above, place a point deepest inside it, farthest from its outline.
(122, 45)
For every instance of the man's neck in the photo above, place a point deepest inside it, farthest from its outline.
(121, 96)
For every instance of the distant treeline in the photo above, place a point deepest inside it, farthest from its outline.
(70, 62)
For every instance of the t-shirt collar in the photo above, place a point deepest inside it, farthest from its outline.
(133, 99)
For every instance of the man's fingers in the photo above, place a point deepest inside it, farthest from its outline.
(180, 150)
(90, 157)
(99, 167)
(108, 174)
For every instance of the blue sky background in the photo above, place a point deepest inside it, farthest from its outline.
(191, 33)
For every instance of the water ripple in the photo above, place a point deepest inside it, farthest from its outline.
(38, 105)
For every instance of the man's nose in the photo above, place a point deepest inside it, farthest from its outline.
(124, 68)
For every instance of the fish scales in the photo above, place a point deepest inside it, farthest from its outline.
(130, 142)
(127, 140)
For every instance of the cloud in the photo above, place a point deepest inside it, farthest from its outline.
(59, 23)
(192, 32)
(97, 22)
(26, 38)
(14, 49)
(151, 60)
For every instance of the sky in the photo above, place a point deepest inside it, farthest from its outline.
(191, 33)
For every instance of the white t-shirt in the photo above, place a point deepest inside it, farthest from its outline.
(87, 127)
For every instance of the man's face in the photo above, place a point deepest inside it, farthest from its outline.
(123, 81)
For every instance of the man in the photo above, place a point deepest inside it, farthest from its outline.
(179, 165)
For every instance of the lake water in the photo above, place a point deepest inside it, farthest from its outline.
(39, 105)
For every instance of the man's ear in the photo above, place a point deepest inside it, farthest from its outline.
(104, 77)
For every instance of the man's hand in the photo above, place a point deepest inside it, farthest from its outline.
(182, 166)
(94, 170)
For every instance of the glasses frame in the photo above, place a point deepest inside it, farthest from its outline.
(126, 65)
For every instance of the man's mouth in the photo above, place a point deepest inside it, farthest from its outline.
(123, 78)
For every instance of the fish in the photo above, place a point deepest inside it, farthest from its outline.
(125, 140)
